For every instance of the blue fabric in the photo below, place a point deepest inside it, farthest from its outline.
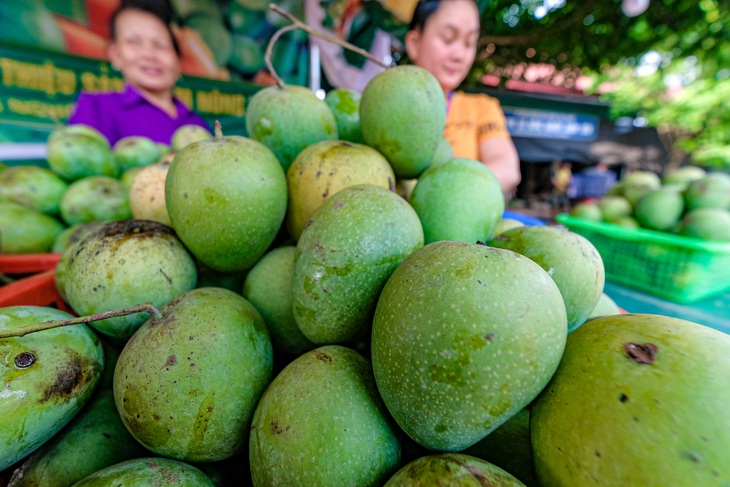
(526, 219)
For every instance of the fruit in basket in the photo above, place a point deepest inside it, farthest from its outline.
(473, 216)
(95, 198)
(47, 377)
(614, 208)
(464, 337)
(683, 175)
(351, 246)
(123, 264)
(160, 472)
(637, 400)
(32, 186)
(268, 286)
(147, 194)
(642, 178)
(288, 120)
(323, 169)
(135, 151)
(587, 211)
(628, 222)
(712, 224)
(187, 134)
(660, 210)
(345, 106)
(95, 439)
(402, 115)
(186, 385)
(633, 193)
(322, 422)
(74, 152)
(26, 231)
(72, 235)
(712, 191)
(451, 469)
(569, 259)
(226, 198)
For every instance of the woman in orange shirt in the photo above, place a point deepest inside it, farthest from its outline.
(442, 39)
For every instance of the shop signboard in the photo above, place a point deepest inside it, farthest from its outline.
(543, 124)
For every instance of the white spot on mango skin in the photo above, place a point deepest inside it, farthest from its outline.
(550, 271)
(5, 394)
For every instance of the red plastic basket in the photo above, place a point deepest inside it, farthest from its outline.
(37, 290)
(28, 263)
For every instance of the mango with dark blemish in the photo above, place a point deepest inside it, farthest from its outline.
(95, 198)
(78, 151)
(153, 472)
(288, 120)
(452, 470)
(637, 400)
(402, 115)
(569, 259)
(226, 198)
(186, 386)
(353, 243)
(464, 337)
(122, 264)
(321, 422)
(47, 377)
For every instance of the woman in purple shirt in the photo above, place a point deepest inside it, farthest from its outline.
(144, 49)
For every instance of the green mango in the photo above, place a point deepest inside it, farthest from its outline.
(569, 259)
(587, 211)
(73, 234)
(627, 221)
(78, 129)
(642, 178)
(352, 245)
(147, 472)
(288, 120)
(712, 224)
(135, 151)
(226, 198)
(683, 175)
(186, 386)
(268, 287)
(660, 210)
(712, 191)
(614, 208)
(444, 153)
(74, 153)
(473, 216)
(451, 470)
(122, 264)
(637, 400)
(32, 186)
(345, 105)
(321, 422)
(95, 198)
(464, 337)
(47, 377)
(95, 439)
(214, 34)
(634, 192)
(507, 224)
(402, 115)
(605, 307)
(508, 447)
(187, 134)
(247, 56)
(26, 231)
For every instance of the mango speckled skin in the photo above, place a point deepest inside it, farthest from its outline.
(353, 243)
(32, 186)
(464, 337)
(46, 378)
(288, 120)
(402, 115)
(321, 170)
(95, 439)
(186, 386)
(570, 259)
(95, 198)
(143, 472)
(226, 198)
(321, 422)
(75, 153)
(458, 200)
(637, 400)
(135, 151)
(452, 470)
(122, 264)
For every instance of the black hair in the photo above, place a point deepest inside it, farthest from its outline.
(159, 8)
(423, 11)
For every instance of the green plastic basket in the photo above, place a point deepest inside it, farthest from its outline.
(677, 268)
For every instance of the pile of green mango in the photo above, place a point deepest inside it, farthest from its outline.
(301, 322)
(686, 201)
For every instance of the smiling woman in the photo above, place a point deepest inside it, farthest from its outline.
(145, 51)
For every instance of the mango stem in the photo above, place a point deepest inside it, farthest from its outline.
(26, 330)
(270, 50)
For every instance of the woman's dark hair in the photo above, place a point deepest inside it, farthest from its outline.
(423, 11)
(159, 8)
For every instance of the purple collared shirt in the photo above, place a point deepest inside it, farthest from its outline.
(128, 113)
